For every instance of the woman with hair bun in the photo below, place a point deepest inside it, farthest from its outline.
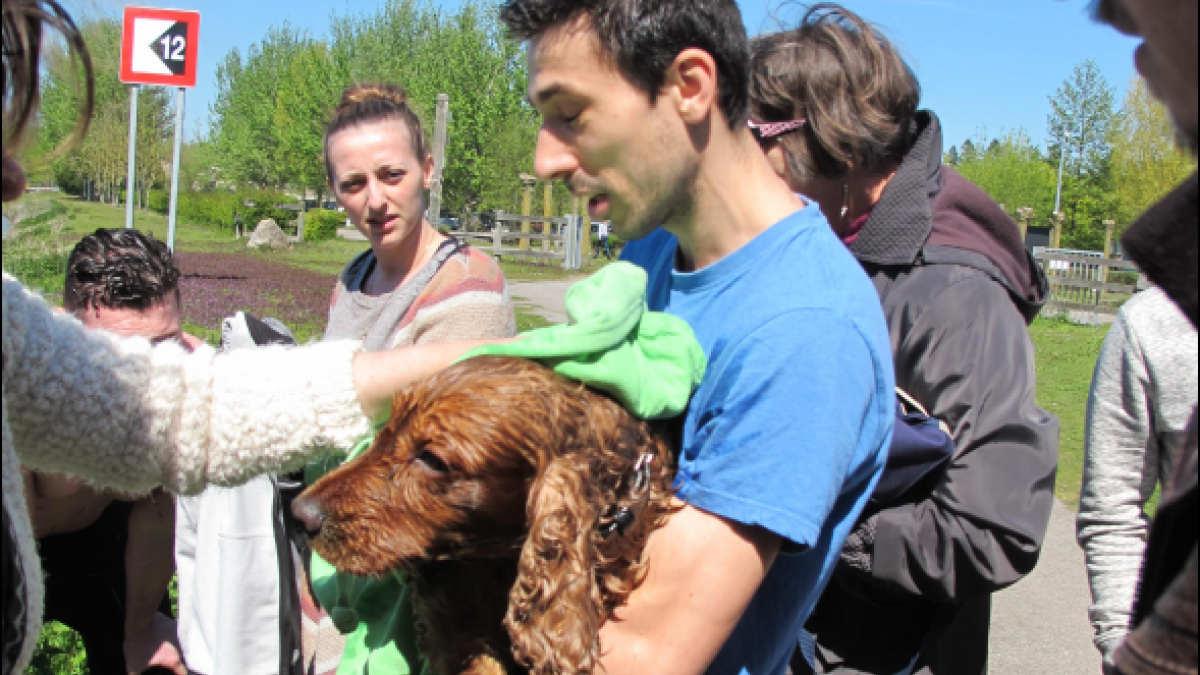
(129, 415)
(414, 286)
(836, 110)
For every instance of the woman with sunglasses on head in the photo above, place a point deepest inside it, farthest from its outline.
(836, 110)
(132, 416)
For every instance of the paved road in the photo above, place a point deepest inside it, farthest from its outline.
(547, 299)
(1039, 627)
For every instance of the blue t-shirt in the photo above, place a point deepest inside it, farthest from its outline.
(790, 428)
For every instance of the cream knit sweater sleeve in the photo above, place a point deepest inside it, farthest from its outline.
(127, 415)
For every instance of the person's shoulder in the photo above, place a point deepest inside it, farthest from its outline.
(1152, 305)
(355, 268)
(467, 270)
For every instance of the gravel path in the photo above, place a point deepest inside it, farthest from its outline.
(1039, 627)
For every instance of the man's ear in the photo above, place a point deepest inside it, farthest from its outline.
(691, 83)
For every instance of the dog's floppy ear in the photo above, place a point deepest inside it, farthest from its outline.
(571, 575)
(556, 607)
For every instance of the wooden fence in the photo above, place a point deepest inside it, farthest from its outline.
(562, 239)
(1084, 281)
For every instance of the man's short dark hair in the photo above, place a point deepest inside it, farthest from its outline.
(643, 38)
(119, 269)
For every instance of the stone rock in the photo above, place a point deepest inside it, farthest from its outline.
(268, 235)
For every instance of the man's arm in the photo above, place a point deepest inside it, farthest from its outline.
(970, 361)
(1120, 474)
(150, 638)
(703, 573)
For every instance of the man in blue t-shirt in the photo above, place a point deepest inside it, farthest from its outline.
(644, 114)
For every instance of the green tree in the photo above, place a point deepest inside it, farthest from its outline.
(1080, 124)
(244, 129)
(1147, 161)
(100, 161)
(273, 105)
(306, 98)
(1014, 173)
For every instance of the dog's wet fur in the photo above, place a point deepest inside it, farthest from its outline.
(489, 485)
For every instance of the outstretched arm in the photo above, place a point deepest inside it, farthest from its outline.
(131, 416)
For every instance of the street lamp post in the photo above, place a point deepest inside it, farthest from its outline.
(1062, 163)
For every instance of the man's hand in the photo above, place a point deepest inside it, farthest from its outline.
(155, 644)
(704, 571)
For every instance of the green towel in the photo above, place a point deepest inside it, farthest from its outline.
(374, 614)
(650, 362)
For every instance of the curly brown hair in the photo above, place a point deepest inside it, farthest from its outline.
(849, 82)
(24, 25)
(508, 524)
(119, 269)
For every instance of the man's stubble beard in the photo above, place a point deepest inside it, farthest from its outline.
(670, 204)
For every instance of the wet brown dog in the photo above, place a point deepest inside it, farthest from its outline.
(520, 502)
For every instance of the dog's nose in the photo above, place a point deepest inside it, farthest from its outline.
(310, 515)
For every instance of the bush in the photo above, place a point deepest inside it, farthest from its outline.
(59, 651)
(322, 225)
(220, 208)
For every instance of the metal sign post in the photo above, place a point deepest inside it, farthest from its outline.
(175, 169)
(130, 185)
(159, 46)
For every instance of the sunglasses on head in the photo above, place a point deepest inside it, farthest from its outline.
(765, 131)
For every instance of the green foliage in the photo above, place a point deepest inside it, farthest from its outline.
(1014, 173)
(100, 160)
(322, 225)
(1081, 124)
(59, 652)
(1147, 162)
(274, 103)
(221, 209)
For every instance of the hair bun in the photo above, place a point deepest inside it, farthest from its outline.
(367, 93)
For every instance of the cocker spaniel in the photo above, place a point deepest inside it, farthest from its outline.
(519, 501)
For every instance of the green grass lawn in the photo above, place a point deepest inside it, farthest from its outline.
(1066, 359)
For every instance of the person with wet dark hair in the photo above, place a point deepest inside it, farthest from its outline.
(837, 112)
(109, 557)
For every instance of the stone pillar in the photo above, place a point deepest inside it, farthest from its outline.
(1060, 219)
(1024, 215)
(528, 183)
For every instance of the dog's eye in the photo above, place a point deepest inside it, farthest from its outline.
(431, 461)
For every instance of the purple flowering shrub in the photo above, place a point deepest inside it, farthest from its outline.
(217, 285)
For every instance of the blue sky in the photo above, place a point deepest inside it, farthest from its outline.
(985, 66)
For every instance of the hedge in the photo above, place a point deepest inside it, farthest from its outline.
(321, 225)
(219, 208)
